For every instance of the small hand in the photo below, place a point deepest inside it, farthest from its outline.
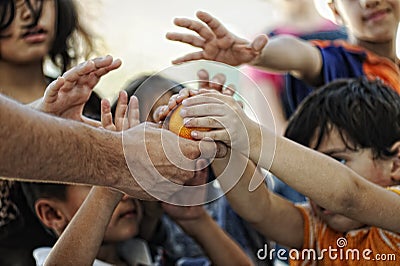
(216, 42)
(224, 115)
(217, 83)
(66, 96)
(182, 214)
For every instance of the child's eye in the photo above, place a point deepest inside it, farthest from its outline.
(340, 160)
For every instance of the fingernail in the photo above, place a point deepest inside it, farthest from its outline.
(194, 134)
(186, 121)
(184, 102)
(183, 112)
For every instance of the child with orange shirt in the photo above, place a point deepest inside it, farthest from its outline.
(352, 217)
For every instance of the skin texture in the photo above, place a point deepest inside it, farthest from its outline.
(370, 24)
(334, 187)
(74, 152)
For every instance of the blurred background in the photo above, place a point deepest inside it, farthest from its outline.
(134, 31)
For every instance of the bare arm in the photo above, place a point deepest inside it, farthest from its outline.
(216, 43)
(218, 246)
(36, 146)
(79, 244)
(335, 186)
(81, 240)
(276, 218)
(291, 54)
(321, 178)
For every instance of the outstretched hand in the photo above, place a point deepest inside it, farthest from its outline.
(217, 43)
(216, 83)
(66, 96)
(224, 116)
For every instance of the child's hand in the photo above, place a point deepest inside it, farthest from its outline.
(66, 96)
(216, 42)
(188, 215)
(217, 83)
(125, 116)
(225, 116)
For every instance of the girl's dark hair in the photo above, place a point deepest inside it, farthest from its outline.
(72, 41)
(366, 113)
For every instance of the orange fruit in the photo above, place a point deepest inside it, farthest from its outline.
(174, 122)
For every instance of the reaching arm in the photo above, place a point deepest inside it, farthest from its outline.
(218, 246)
(80, 242)
(67, 96)
(276, 218)
(196, 222)
(287, 54)
(333, 186)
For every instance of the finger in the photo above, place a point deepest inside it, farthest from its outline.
(77, 72)
(203, 98)
(195, 41)
(217, 82)
(172, 103)
(195, 26)
(205, 109)
(120, 111)
(259, 42)
(104, 70)
(160, 113)
(106, 116)
(204, 78)
(189, 57)
(205, 122)
(183, 94)
(229, 90)
(217, 135)
(217, 28)
(51, 92)
(103, 61)
(133, 112)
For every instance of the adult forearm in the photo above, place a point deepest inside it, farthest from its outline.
(36, 146)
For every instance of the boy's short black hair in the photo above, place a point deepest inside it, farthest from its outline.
(34, 191)
(366, 113)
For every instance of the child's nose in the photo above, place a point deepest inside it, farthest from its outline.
(369, 3)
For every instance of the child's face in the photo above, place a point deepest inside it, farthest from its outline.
(124, 223)
(369, 20)
(363, 163)
(26, 45)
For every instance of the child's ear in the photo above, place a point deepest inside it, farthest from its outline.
(51, 215)
(336, 13)
(395, 170)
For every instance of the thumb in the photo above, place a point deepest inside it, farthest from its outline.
(259, 42)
